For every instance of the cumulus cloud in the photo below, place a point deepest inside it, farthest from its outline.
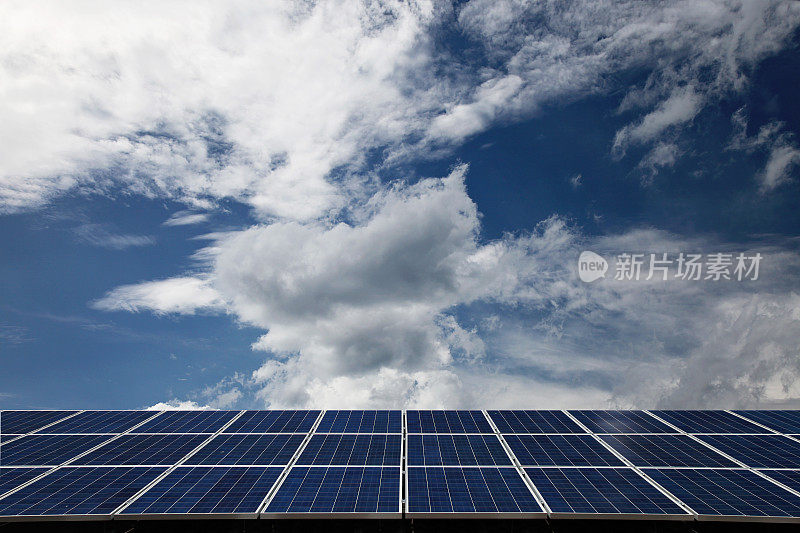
(178, 405)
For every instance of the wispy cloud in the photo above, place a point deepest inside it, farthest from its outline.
(186, 218)
(102, 235)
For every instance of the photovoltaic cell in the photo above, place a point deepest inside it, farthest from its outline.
(783, 421)
(758, 451)
(47, 450)
(666, 450)
(187, 422)
(238, 449)
(143, 450)
(207, 490)
(99, 422)
(708, 422)
(274, 422)
(361, 422)
(621, 422)
(5, 438)
(447, 422)
(27, 421)
(338, 489)
(468, 490)
(78, 491)
(353, 450)
(790, 478)
(534, 422)
(560, 450)
(727, 492)
(600, 491)
(457, 450)
(11, 478)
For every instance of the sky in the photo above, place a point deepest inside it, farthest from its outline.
(362, 204)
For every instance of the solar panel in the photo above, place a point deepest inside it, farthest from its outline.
(11, 478)
(238, 449)
(361, 422)
(708, 422)
(666, 450)
(336, 489)
(447, 422)
(727, 492)
(78, 491)
(790, 478)
(534, 422)
(758, 451)
(100, 422)
(274, 422)
(187, 422)
(351, 449)
(27, 421)
(621, 422)
(143, 450)
(560, 450)
(5, 438)
(451, 490)
(607, 491)
(457, 450)
(783, 421)
(202, 490)
(48, 450)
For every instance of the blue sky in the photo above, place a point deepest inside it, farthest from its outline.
(382, 204)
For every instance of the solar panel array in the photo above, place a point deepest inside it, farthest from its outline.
(683, 465)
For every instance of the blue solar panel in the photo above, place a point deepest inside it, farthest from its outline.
(207, 490)
(790, 478)
(237, 449)
(361, 422)
(621, 422)
(727, 492)
(708, 422)
(457, 450)
(48, 450)
(468, 490)
(354, 450)
(783, 421)
(561, 450)
(600, 491)
(534, 422)
(187, 422)
(78, 491)
(336, 489)
(758, 451)
(666, 450)
(6, 438)
(447, 422)
(11, 478)
(143, 450)
(27, 421)
(274, 422)
(100, 422)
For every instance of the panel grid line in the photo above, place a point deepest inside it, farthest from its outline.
(787, 435)
(76, 413)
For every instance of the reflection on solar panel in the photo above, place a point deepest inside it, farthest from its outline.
(561, 450)
(447, 422)
(143, 450)
(335, 489)
(274, 422)
(621, 422)
(361, 422)
(28, 421)
(355, 450)
(100, 422)
(600, 491)
(187, 422)
(48, 450)
(708, 422)
(457, 450)
(207, 490)
(236, 449)
(78, 491)
(434, 490)
(727, 492)
(11, 478)
(666, 450)
(758, 451)
(534, 422)
(783, 421)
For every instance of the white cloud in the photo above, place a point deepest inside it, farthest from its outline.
(100, 235)
(185, 295)
(186, 218)
(777, 171)
(178, 405)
